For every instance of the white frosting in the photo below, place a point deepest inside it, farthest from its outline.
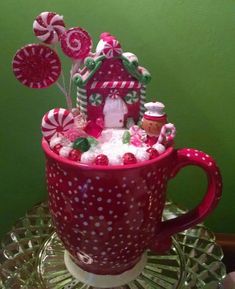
(111, 145)
(64, 151)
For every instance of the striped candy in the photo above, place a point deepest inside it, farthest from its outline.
(112, 48)
(167, 134)
(48, 27)
(76, 43)
(131, 97)
(57, 120)
(116, 84)
(36, 66)
(95, 99)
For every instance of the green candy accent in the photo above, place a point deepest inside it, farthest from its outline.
(90, 63)
(92, 141)
(133, 70)
(81, 144)
(78, 81)
(131, 97)
(126, 137)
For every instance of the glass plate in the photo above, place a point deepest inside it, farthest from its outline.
(32, 240)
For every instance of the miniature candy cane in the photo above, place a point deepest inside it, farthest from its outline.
(95, 99)
(76, 43)
(36, 66)
(112, 48)
(131, 97)
(57, 120)
(48, 27)
(138, 136)
(167, 134)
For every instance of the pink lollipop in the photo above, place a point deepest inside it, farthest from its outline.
(57, 120)
(76, 43)
(36, 66)
(112, 48)
(48, 26)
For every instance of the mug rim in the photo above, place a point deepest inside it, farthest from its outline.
(67, 162)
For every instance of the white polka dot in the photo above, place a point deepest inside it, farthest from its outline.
(85, 223)
(109, 229)
(99, 199)
(76, 199)
(60, 180)
(100, 189)
(109, 201)
(85, 195)
(91, 188)
(97, 224)
(81, 215)
(89, 181)
(100, 209)
(119, 195)
(70, 183)
(98, 178)
(91, 217)
(101, 217)
(110, 212)
(95, 248)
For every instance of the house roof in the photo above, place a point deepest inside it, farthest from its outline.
(94, 62)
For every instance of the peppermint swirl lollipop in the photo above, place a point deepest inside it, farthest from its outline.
(112, 48)
(76, 43)
(36, 66)
(57, 120)
(48, 27)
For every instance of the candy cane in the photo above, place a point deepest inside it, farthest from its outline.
(56, 120)
(167, 134)
(48, 27)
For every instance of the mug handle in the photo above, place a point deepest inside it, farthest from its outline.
(187, 157)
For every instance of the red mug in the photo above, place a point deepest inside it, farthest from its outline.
(107, 217)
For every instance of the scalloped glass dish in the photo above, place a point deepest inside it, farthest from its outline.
(31, 257)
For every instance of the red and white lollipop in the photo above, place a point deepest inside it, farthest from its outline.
(112, 48)
(36, 66)
(48, 27)
(76, 43)
(57, 120)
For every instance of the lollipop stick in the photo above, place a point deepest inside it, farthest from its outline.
(68, 99)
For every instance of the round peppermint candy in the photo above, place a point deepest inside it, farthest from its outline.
(57, 120)
(131, 97)
(112, 48)
(36, 66)
(48, 27)
(76, 43)
(95, 99)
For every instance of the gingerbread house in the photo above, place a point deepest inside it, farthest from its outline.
(111, 85)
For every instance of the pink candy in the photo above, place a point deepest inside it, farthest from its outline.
(138, 136)
(112, 47)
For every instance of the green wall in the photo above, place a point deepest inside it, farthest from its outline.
(188, 46)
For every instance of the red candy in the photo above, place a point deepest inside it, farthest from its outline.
(76, 43)
(101, 160)
(153, 153)
(36, 66)
(48, 26)
(56, 149)
(129, 158)
(75, 155)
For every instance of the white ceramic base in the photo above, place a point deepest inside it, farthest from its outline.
(104, 281)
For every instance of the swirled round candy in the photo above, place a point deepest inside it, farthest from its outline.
(76, 43)
(36, 66)
(48, 27)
